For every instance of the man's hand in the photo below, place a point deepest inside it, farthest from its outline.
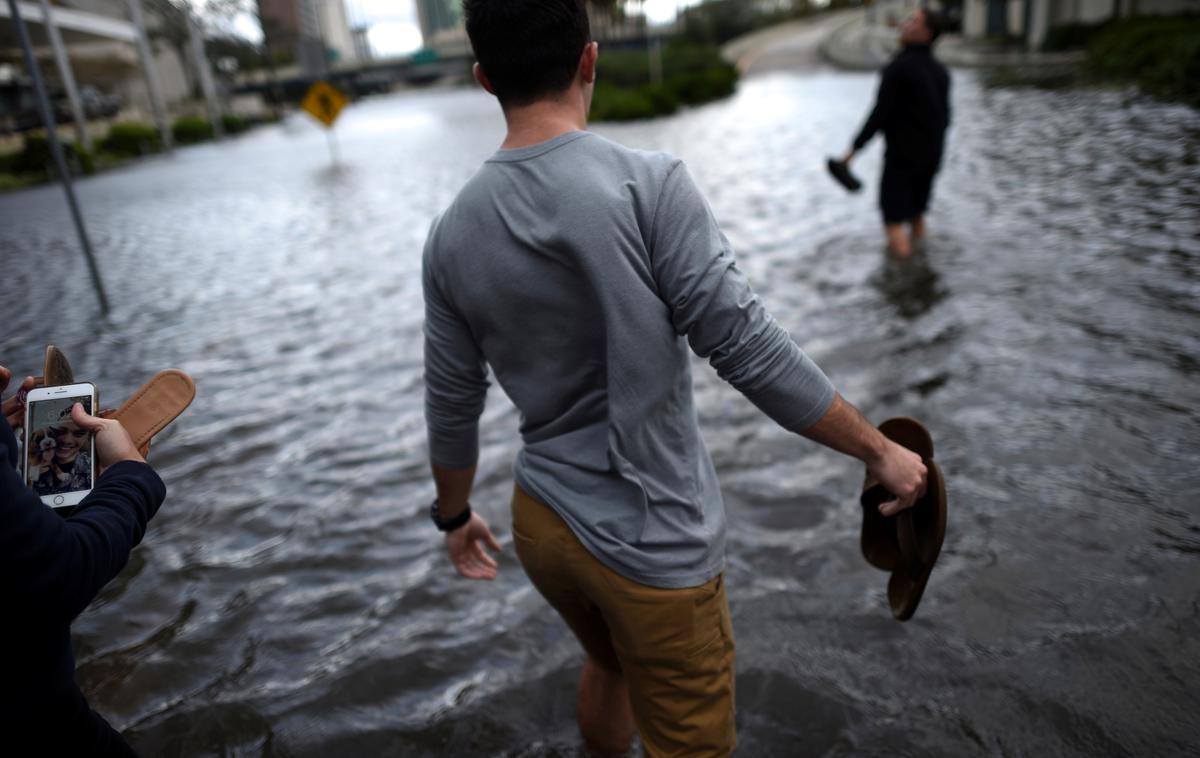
(14, 407)
(902, 473)
(465, 546)
(113, 443)
(847, 157)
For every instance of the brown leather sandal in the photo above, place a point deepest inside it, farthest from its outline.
(155, 405)
(56, 369)
(907, 544)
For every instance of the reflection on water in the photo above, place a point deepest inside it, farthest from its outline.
(911, 285)
(291, 598)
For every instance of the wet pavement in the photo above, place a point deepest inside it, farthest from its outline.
(291, 598)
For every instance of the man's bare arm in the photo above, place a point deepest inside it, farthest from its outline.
(900, 470)
(453, 489)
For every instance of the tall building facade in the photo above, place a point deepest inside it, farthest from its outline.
(314, 34)
(438, 15)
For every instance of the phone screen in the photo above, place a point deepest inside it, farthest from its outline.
(59, 453)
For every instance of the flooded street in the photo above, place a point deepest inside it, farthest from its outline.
(292, 599)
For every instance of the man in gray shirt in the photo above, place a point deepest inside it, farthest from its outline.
(581, 271)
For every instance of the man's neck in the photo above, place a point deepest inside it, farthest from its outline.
(541, 121)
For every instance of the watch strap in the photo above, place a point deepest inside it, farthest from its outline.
(449, 525)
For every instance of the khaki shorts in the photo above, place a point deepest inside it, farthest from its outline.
(674, 647)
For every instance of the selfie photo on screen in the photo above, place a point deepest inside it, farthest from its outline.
(59, 451)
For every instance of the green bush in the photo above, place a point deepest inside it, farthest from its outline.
(130, 139)
(718, 21)
(191, 129)
(664, 100)
(234, 124)
(696, 87)
(35, 157)
(612, 103)
(1160, 53)
(1069, 36)
(692, 74)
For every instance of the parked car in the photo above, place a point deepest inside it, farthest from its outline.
(95, 104)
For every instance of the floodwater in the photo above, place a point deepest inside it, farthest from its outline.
(292, 599)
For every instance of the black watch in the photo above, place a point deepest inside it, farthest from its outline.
(451, 524)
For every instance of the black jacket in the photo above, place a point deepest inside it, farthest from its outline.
(912, 109)
(50, 570)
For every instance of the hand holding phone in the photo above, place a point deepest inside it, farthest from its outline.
(60, 453)
(113, 443)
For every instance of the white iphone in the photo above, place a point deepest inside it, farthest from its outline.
(60, 457)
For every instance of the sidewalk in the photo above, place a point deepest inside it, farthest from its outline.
(788, 46)
(859, 45)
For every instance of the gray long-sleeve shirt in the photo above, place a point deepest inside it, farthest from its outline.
(580, 271)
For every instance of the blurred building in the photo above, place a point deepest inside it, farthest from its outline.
(1030, 20)
(103, 62)
(314, 34)
(362, 43)
(280, 22)
(335, 32)
(442, 27)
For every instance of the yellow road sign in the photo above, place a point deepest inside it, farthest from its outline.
(324, 102)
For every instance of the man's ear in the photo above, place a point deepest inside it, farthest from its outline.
(587, 62)
(481, 77)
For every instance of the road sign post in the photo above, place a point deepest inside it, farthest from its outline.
(324, 102)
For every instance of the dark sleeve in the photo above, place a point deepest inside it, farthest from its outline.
(946, 95)
(885, 100)
(53, 567)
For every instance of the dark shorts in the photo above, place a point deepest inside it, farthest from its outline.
(904, 191)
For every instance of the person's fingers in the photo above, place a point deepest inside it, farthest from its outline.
(492, 542)
(469, 559)
(483, 557)
(16, 403)
(469, 566)
(477, 571)
(462, 562)
(86, 420)
(5, 378)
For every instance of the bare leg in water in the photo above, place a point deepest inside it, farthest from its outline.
(919, 232)
(899, 244)
(605, 716)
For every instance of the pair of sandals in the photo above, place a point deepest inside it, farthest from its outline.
(147, 412)
(907, 544)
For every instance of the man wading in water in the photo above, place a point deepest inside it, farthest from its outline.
(913, 110)
(580, 271)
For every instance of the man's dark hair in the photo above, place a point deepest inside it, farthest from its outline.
(935, 22)
(529, 49)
